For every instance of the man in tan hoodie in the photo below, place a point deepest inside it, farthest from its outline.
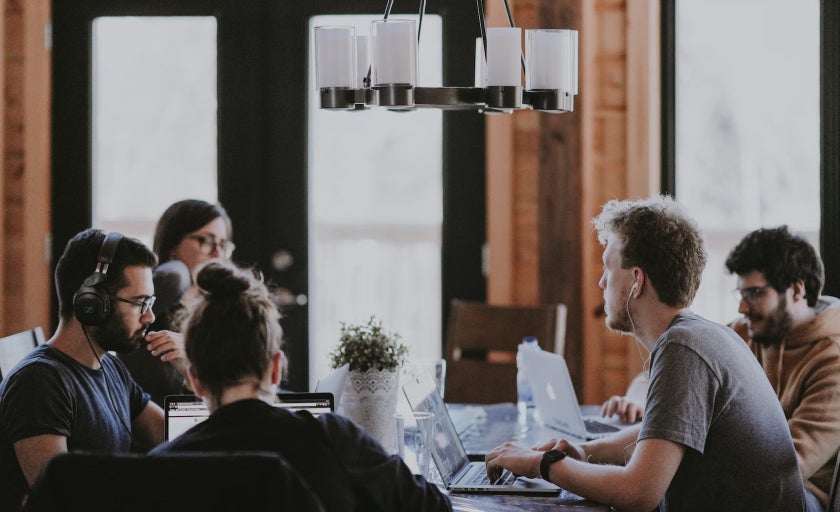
(795, 334)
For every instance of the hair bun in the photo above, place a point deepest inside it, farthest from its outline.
(222, 279)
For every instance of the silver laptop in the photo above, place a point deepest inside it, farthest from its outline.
(334, 383)
(182, 412)
(555, 399)
(456, 470)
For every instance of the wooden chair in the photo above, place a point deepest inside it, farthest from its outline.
(15, 347)
(176, 482)
(481, 345)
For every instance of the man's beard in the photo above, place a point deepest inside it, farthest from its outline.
(777, 325)
(113, 336)
(621, 321)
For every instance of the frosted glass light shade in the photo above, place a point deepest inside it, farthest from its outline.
(551, 59)
(393, 52)
(335, 57)
(504, 51)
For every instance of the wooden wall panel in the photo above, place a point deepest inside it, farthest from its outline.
(24, 267)
(3, 73)
(564, 167)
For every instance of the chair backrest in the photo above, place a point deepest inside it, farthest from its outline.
(834, 495)
(15, 347)
(481, 345)
(177, 482)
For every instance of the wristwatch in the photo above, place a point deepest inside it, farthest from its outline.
(549, 458)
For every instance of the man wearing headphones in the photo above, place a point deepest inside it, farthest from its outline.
(70, 393)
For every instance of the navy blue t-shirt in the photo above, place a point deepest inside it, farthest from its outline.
(51, 393)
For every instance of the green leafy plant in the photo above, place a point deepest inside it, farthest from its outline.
(367, 346)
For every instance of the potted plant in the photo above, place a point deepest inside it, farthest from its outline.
(370, 394)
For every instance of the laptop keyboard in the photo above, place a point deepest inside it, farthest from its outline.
(478, 476)
(596, 427)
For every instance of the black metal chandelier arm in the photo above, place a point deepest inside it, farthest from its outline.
(420, 23)
(509, 14)
(479, 6)
(388, 6)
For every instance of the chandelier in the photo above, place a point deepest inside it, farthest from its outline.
(355, 72)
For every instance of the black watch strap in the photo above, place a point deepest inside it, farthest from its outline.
(549, 458)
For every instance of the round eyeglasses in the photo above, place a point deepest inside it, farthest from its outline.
(750, 294)
(145, 305)
(208, 243)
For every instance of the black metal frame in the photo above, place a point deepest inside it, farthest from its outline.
(830, 144)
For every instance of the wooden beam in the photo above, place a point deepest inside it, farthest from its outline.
(36, 150)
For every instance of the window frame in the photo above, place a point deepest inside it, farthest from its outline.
(829, 128)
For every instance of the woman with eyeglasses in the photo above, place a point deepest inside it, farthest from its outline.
(189, 233)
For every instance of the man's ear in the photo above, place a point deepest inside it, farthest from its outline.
(798, 290)
(638, 282)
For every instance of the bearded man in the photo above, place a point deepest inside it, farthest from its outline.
(71, 393)
(713, 435)
(795, 334)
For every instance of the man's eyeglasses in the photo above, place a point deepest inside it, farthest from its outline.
(751, 294)
(145, 304)
(208, 243)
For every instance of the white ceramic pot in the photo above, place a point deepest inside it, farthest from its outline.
(369, 399)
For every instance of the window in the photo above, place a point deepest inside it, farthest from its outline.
(747, 141)
(375, 213)
(153, 118)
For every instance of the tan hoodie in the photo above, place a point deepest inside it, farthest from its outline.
(804, 369)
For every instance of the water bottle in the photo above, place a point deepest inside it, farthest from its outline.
(523, 388)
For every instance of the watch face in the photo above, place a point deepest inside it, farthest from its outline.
(555, 455)
(549, 458)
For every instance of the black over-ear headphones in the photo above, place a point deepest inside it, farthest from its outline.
(92, 304)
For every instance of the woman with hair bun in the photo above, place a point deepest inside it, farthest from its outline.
(232, 338)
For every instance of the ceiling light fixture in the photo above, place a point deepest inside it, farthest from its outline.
(351, 74)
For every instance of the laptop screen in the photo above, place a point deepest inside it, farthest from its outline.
(554, 393)
(182, 412)
(447, 450)
(334, 383)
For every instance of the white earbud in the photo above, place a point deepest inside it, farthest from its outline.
(635, 285)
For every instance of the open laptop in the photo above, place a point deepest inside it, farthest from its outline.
(334, 383)
(182, 412)
(456, 470)
(555, 399)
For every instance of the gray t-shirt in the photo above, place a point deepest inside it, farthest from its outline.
(708, 393)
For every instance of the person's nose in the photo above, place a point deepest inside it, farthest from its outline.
(743, 307)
